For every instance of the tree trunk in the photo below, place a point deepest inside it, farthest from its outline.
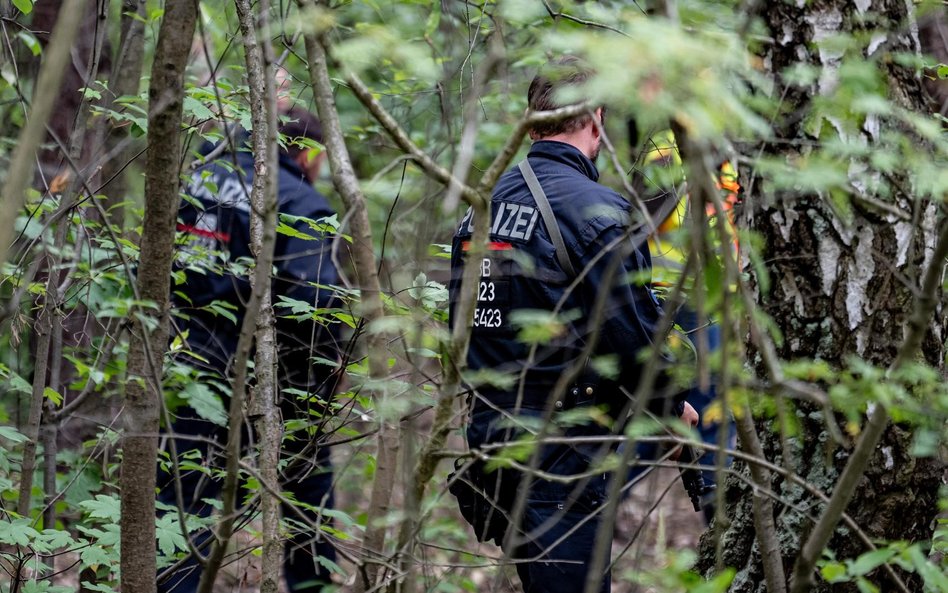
(264, 407)
(366, 267)
(845, 276)
(150, 326)
(125, 80)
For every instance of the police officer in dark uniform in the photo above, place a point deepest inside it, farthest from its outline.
(211, 266)
(536, 253)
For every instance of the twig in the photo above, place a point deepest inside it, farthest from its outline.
(44, 329)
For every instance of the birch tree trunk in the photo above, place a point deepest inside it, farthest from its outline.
(264, 404)
(846, 273)
(149, 332)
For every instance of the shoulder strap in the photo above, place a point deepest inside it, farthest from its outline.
(549, 220)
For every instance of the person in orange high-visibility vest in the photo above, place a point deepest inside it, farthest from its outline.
(661, 184)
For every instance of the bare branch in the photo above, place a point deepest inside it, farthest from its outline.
(532, 118)
(427, 164)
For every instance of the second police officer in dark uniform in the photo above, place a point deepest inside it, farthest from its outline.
(211, 267)
(528, 267)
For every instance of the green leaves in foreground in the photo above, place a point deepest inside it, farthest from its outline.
(907, 557)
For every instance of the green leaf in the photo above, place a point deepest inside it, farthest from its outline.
(90, 93)
(424, 352)
(345, 318)
(870, 561)
(12, 434)
(935, 578)
(18, 383)
(223, 309)
(168, 532)
(330, 565)
(101, 588)
(24, 6)
(865, 586)
(53, 396)
(205, 402)
(295, 306)
(17, 532)
(57, 539)
(834, 572)
(925, 443)
(285, 229)
(194, 107)
(429, 292)
(30, 41)
(93, 556)
(103, 507)
(44, 586)
(439, 250)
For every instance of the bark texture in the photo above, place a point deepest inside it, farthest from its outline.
(149, 332)
(264, 404)
(843, 283)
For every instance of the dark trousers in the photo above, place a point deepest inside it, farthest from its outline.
(307, 476)
(555, 539)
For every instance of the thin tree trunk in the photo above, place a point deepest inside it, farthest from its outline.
(125, 80)
(50, 425)
(148, 344)
(258, 319)
(44, 334)
(347, 184)
(264, 405)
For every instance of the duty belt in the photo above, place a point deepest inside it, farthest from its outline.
(582, 393)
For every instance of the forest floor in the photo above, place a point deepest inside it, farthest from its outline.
(656, 521)
(645, 540)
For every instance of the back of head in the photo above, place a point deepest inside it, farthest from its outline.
(567, 71)
(296, 123)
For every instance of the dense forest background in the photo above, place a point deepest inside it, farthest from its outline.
(832, 312)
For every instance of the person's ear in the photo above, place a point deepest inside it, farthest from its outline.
(595, 128)
(311, 161)
(302, 159)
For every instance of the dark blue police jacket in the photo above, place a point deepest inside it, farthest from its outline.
(520, 273)
(215, 222)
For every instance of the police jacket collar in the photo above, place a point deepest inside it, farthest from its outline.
(566, 154)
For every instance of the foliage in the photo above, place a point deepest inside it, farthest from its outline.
(866, 149)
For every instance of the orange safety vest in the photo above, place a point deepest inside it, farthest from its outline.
(666, 244)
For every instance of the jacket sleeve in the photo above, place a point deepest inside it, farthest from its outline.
(618, 274)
